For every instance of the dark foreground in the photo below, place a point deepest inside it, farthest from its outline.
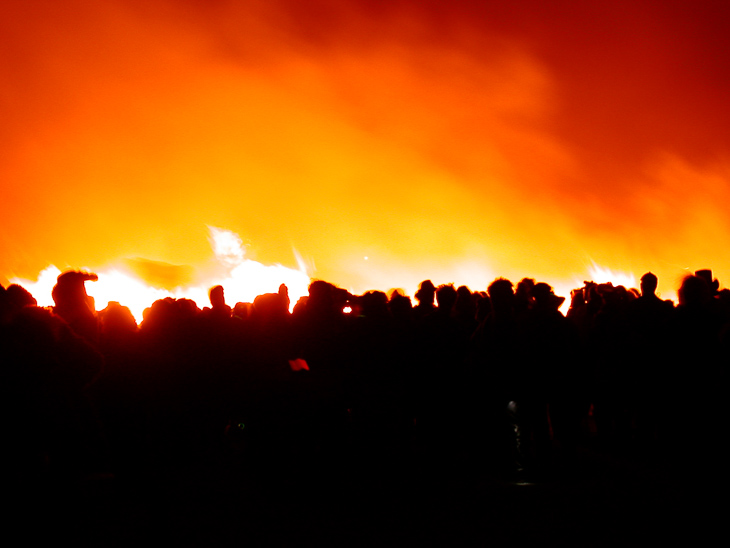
(502, 423)
(409, 499)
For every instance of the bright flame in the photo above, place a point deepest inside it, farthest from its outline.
(42, 287)
(129, 291)
(227, 246)
(245, 279)
(602, 275)
(597, 274)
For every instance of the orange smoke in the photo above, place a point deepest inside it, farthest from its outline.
(456, 143)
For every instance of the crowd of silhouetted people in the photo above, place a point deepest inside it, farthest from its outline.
(500, 378)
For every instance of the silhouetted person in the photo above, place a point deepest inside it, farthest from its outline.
(74, 305)
(549, 377)
(219, 309)
(400, 306)
(51, 427)
(523, 296)
(695, 393)
(712, 283)
(323, 340)
(12, 300)
(441, 377)
(120, 394)
(375, 386)
(649, 352)
(425, 296)
(497, 355)
(284, 293)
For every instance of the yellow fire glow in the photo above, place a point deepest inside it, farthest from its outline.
(602, 275)
(456, 141)
(243, 280)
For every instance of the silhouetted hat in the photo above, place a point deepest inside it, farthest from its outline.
(427, 285)
(69, 289)
(706, 274)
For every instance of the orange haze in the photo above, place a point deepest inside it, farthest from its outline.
(455, 141)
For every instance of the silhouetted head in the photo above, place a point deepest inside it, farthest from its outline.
(501, 295)
(545, 298)
(624, 294)
(301, 306)
(694, 291)
(70, 293)
(426, 293)
(187, 308)
(116, 319)
(446, 297)
(374, 304)
(395, 293)
(268, 308)
(523, 292)
(483, 304)
(159, 314)
(217, 296)
(712, 284)
(17, 297)
(465, 305)
(320, 292)
(326, 298)
(577, 297)
(649, 283)
(614, 297)
(242, 310)
(12, 300)
(400, 305)
(74, 305)
(37, 331)
(284, 292)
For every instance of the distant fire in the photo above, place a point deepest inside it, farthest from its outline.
(601, 275)
(243, 280)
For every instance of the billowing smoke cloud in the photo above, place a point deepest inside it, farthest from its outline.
(452, 142)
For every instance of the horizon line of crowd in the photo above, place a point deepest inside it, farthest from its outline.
(500, 373)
